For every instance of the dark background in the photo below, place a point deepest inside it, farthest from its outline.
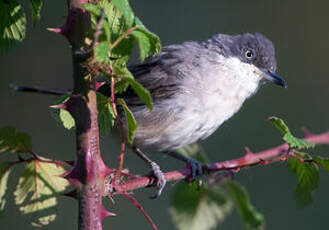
(299, 30)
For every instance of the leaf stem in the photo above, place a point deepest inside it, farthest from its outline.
(129, 31)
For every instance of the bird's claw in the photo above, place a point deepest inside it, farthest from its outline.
(196, 170)
(160, 180)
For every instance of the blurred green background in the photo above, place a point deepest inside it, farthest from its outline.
(299, 30)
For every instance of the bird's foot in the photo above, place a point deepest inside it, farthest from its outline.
(160, 180)
(196, 170)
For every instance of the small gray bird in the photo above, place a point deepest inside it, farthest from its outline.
(196, 87)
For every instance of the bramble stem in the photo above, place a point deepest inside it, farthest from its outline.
(249, 159)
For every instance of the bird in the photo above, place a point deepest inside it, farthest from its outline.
(196, 87)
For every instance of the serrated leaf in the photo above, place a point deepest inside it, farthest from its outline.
(12, 24)
(36, 9)
(106, 115)
(95, 10)
(153, 38)
(308, 178)
(323, 162)
(102, 50)
(131, 122)
(4, 173)
(203, 209)
(13, 141)
(251, 218)
(37, 191)
(143, 44)
(295, 142)
(62, 115)
(291, 140)
(142, 93)
(124, 7)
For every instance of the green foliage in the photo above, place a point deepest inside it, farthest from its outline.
(131, 122)
(251, 218)
(322, 162)
(143, 94)
(105, 113)
(4, 173)
(37, 191)
(62, 115)
(12, 24)
(102, 52)
(12, 141)
(291, 140)
(125, 9)
(36, 9)
(201, 209)
(119, 29)
(308, 178)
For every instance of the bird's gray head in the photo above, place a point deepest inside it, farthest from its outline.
(252, 49)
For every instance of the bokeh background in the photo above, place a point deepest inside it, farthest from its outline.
(299, 30)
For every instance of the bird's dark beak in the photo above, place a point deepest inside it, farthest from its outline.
(276, 79)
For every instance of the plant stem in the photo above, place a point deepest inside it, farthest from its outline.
(250, 159)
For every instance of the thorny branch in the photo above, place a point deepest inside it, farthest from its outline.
(279, 153)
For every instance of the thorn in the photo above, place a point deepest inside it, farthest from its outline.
(306, 132)
(264, 162)
(105, 213)
(99, 84)
(248, 151)
(55, 30)
(59, 106)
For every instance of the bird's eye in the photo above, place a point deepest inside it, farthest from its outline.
(249, 54)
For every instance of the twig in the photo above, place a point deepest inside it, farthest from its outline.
(129, 31)
(122, 138)
(135, 203)
(248, 160)
(36, 89)
(98, 29)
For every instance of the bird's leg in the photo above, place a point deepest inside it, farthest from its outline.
(196, 166)
(158, 174)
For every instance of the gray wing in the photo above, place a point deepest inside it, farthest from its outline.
(161, 74)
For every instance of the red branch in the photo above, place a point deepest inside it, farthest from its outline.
(135, 203)
(249, 159)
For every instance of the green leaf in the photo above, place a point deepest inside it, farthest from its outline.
(36, 9)
(250, 217)
(323, 162)
(124, 7)
(12, 25)
(62, 115)
(131, 122)
(143, 43)
(291, 140)
(37, 191)
(93, 9)
(102, 50)
(142, 93)
(308, 178)
(155, 42)
(202, 209)
(4, 173)
(106, 115)
(12, 141)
